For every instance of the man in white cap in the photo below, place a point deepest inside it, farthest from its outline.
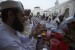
(70, 21)
(13, 18)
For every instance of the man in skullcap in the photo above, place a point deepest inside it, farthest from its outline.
(12, 13)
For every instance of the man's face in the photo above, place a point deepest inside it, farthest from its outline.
(19, 21)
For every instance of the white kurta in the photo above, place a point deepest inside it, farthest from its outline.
(10, 41)
(53, 25)
(48, 25)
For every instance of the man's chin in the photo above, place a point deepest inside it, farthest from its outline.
(19, 28)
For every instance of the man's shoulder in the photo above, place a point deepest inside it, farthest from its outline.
(4, 33)
(6, 38)
(4, 42)
(1, 27)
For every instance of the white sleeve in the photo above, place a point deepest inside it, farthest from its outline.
(13, 47)
(8, 44)
(30, 43)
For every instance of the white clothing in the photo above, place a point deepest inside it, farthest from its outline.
(53, 25)
(28, 28)
(43, 22)
(10, 41)
(62, 25)
(48, 25)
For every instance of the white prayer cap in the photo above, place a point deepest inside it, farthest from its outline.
(11, 4)
(69, 19)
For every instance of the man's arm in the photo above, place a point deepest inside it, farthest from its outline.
(12, 48)
(30, 43)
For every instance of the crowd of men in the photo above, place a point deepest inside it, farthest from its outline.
(58, 30)
(56, 24)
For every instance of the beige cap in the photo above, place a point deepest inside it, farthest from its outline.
(11, 4)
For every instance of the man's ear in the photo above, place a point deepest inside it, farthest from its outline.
(10, 16)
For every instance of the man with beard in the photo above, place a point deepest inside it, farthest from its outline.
(12, 25)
